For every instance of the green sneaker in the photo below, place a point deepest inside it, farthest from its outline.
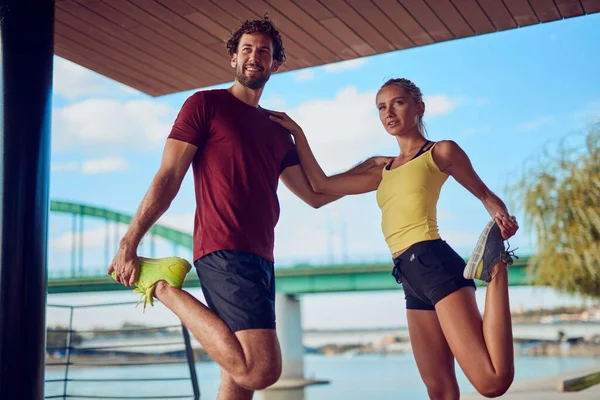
(173, 270)
(489, 251)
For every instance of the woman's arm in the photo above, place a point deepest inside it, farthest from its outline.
(363, 178)
(452, 160)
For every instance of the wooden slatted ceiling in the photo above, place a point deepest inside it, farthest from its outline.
(167, 46)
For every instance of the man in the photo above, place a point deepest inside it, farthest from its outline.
(238, 155)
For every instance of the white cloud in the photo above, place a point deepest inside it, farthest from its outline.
(92, 239)
(350, 115)
(341, 130)
(275, 102)
(108, 125)
(345, 65)
(304, 75)
(66, 166)
(93, 166)
(182, 222)
(73, 81)
(440, 104)
(108, 164)
(129, 90)
(536, 123)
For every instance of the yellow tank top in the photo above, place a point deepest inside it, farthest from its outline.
(407, 197)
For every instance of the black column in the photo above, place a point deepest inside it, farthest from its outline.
(26, 51)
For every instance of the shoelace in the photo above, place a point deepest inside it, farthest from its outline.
(146, 295)
(509, 254)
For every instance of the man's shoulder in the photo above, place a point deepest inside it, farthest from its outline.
(206, 96)
(204, 103)
(274, 127)
(278, 131)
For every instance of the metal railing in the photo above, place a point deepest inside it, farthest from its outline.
(121, 354)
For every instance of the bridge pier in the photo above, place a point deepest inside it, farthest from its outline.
(289, 330)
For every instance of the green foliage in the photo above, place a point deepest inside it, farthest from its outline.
(560, 197)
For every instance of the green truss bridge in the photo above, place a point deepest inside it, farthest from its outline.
(298, 279)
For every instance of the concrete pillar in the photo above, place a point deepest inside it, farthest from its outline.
(289, 330)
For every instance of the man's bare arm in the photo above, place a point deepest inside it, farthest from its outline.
(176, 159)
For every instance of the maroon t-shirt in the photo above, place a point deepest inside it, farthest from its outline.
(241, 154)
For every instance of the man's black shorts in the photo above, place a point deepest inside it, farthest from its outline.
(429, 271)
(239, 287)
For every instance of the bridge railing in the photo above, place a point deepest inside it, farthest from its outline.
(103, 363)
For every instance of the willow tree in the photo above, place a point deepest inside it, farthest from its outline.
(559, 195)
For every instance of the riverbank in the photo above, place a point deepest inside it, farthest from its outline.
(546, 388)
(525, 348)
(108, 360)
(559, 349)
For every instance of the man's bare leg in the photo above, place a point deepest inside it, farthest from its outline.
(229, 390)
(252, 357)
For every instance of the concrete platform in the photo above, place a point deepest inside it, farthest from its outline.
(288, 389)
(545, 389)
(287, 384)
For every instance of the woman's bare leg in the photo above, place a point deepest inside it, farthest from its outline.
(482, 347)
(432, 354)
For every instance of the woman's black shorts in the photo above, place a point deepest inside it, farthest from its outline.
(428, 272)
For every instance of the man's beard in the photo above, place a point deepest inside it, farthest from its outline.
(254, 82)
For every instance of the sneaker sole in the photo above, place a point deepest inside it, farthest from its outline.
(477, 255)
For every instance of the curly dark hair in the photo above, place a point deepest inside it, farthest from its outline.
(264, 26)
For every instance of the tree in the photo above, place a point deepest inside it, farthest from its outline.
(560, 197)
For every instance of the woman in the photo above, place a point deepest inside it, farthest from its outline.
(443, 319)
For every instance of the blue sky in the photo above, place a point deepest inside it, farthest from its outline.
(502, 97)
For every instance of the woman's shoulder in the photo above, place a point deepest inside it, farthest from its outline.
(446, 153)
(446, 147)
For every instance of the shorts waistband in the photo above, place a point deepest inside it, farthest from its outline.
(417, 248)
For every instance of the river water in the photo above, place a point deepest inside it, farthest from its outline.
(379, 377)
